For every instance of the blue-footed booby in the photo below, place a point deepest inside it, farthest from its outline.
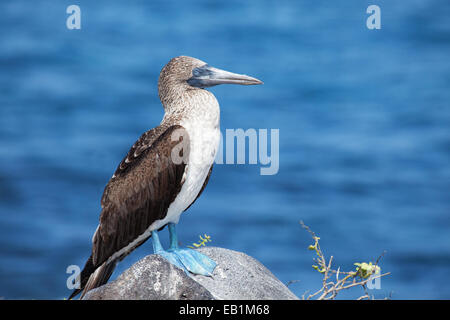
(164, 172)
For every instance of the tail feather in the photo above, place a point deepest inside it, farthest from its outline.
(92, 277)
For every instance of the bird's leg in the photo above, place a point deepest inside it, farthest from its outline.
(173, 237)
(157, 247)
(159, 250)
(192, 260)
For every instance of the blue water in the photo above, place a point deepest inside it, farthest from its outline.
(363, 117)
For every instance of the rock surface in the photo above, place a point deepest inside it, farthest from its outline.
(236, 277)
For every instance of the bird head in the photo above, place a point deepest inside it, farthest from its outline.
(186, 73)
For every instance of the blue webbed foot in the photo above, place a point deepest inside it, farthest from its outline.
(194, 261)
(191, 261)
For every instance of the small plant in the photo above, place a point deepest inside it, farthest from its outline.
(365, 270)
(364, 273)
(203, 240)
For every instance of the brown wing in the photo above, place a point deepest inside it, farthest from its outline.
(141, 190)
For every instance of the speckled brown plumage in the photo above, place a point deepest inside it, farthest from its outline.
(174, 90)
(141, 190)
(144, 185)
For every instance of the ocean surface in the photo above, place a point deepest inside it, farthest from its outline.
(363, 118)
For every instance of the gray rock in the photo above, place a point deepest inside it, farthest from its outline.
(241, 277)
(236, 277)
(151, 278)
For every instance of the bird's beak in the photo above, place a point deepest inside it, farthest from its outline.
(207, 76)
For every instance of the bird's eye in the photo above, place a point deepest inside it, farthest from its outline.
(196, 72)
(202, 71)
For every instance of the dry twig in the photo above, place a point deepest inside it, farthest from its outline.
(364, 273)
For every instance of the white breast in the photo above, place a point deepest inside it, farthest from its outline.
(202, 125)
